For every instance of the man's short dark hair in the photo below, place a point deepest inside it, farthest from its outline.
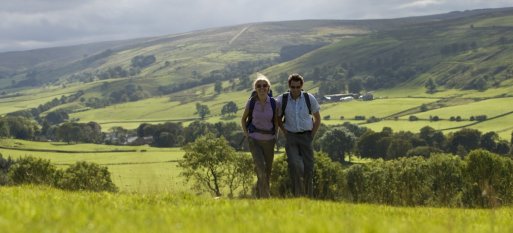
(295, 78)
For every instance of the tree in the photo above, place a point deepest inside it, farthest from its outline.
(229, 108)
(398, 148)
(466, 139)
(368, 144)
(336, 142)
(218, 88)
(489, 141)
(430, 86)
(211, 164)
(56, 117)
(4, 129)
(202, 110)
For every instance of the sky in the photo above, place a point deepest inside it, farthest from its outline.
(31, 24)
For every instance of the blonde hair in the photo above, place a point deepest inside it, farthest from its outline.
(261, 77)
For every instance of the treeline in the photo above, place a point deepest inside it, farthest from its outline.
(349, 139)
(174, 134)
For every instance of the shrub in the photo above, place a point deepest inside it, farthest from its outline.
(280, 178)
(413, 118)
(490, 179)
(448, 180)
(5, 164)
(359, 118)
(31, 170)
(480, 118)
(373, 119)
(328, 179)
(327, 117)
(434, 118)
(86, 176)
(355, 177)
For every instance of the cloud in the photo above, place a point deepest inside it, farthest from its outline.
(31, 24)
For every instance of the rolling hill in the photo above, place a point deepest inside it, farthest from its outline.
(467, 56)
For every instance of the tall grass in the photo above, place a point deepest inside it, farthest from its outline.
(42, 209)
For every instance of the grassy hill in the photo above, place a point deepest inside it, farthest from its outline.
(468, 55)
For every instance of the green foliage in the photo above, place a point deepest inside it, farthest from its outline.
(31, 170)
(211, 164)
(202, 110)
(86, 176)
(229, 108)
(141, 61)
(466, 139)
(337, 142)
(19, 127)
(483, 179)
(491, 179)
(5, 164)
(448, 177)
(79, 132)
(218, 87)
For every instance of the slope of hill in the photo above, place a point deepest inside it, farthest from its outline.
(464, 53)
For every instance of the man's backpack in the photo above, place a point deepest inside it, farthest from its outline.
(249, 125)
(285, 99)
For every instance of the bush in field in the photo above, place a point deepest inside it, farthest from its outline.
(412, 181)
(86, 176)
(328, 179)
(212, 165)
(280, 178)
(5, 164)
(355, 178)
(490, 179)
(407, 181)
(448, 177)
(31, 170)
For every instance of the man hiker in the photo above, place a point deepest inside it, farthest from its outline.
(299, 119)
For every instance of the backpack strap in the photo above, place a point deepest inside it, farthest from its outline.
(285, 99)
(252, 101)
(308, 104)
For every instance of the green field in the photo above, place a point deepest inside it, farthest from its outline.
(41, 209)
(144, 170)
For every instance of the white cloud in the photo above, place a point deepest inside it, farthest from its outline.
(39, 23)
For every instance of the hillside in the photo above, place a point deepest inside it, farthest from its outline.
(467, 56)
